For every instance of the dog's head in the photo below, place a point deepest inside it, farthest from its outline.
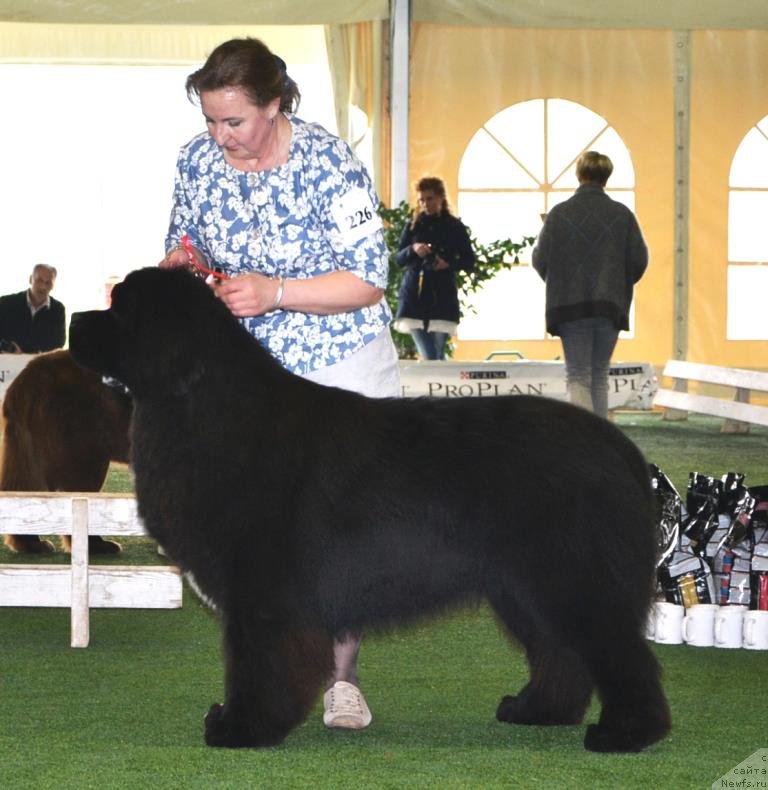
(155, 335)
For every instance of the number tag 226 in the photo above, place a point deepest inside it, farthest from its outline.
(355, 215)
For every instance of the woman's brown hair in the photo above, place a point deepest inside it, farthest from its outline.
(248, 64)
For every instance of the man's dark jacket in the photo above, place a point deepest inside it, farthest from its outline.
(43, 332)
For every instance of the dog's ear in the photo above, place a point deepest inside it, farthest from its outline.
(93, 341)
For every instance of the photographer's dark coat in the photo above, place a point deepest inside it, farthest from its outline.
(425, 294)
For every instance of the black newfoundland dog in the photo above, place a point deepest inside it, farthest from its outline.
(304, 511)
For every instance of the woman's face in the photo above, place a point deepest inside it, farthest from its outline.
(429, 202)
(236, 124)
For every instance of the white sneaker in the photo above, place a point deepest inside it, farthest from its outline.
(345, 707)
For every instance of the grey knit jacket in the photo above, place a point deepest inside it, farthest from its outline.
(590, 253)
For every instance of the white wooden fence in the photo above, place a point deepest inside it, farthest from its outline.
(80, 585)
(736, 412)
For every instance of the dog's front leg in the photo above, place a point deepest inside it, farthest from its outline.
(274, 673)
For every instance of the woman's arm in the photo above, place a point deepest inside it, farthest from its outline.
(406, 255)
(463, 257)
(637, 251)
(181, 223)
(336, 292)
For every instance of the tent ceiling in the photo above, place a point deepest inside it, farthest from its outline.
(617, 14)
(662, 14)
(193, 12)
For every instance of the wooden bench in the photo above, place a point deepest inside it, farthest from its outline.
(79, 585)
(738, 413)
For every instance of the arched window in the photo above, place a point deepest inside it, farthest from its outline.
(518, 165)
(747, 237)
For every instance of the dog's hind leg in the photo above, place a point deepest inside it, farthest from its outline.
(560, 685)
(635, 712)
(274, 673)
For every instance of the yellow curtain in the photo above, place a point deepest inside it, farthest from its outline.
(728, 97)
(357, 61)
(462, 76)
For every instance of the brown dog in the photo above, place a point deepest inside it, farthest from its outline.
(63, 426)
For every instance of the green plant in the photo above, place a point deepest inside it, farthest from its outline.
(490, 259)
(394, 220)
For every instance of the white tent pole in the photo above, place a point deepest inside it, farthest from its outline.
(400, 53)
(682, 94)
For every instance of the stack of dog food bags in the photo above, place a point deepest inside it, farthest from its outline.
(717, 552)
(729, 549)
(668, 507)
(759, 565)
(684, 576)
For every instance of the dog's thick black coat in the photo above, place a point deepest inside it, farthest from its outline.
(305, 511)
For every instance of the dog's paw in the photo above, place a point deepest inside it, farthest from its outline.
(523, 710)
(511, 711)
(602, 739)
(220, 730)
(28, 544)
(225, 730)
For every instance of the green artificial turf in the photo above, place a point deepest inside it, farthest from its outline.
(697, 445)
(126, 712)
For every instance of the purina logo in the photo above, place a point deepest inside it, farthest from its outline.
(752, 773)
(483, 374)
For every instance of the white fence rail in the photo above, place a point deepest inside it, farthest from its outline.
(81, 586)
(738, 413)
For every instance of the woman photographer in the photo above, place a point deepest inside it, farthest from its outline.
(433, 247)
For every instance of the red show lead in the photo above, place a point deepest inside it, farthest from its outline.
(190, 250)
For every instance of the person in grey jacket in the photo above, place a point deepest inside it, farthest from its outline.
(590, 253)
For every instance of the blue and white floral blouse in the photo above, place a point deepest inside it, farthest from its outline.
(314, 214)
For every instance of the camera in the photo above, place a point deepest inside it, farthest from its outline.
(428, 261)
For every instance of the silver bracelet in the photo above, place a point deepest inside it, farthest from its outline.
(280, 291)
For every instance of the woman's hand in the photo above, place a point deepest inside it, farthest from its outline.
(421, 248)
(249, 294)
(176, 257)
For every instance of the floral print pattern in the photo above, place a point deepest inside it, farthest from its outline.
(289, 221)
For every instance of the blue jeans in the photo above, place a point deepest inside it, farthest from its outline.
(430, 345)
(587, 345)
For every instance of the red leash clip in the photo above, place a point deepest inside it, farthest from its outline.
(189, 249)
